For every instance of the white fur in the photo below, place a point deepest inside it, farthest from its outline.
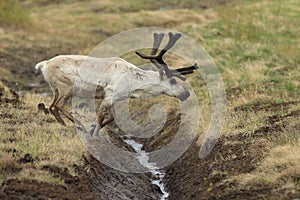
(78, 75)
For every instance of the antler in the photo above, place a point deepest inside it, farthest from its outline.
(156, 42)
(157, 60)
(187, 70)
(157, 39)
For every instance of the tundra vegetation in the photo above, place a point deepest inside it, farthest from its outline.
(255, 45)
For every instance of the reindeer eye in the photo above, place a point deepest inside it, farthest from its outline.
(172, 81)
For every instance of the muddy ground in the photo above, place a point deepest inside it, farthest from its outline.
(187, 178)
(98, 182)
(190, 177)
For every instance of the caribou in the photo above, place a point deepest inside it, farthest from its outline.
(61, 73)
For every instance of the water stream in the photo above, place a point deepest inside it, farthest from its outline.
(143, 158)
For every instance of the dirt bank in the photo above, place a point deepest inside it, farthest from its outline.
(210, 178)
(75, 187)
(108, 183)
(96, 181)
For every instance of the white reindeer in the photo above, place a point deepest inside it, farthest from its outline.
(62, 71)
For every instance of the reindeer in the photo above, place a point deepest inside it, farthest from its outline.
(62, 71)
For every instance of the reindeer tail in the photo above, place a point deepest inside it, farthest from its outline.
(40, 65)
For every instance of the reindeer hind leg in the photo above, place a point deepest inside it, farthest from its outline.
(53, 108)
(60, 105)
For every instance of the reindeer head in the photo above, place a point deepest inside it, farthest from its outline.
(171, 79)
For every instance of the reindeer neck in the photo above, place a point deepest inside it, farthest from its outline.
(140, 76)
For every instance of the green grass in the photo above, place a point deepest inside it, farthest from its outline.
(262, 34)
(13, 14)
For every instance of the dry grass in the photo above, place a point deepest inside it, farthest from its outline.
(25, 130)
(5, 91)
(280, 167)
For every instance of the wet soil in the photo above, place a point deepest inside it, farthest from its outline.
(94, 181)
(109, 183)
(76, 188)
(189, 177)
(193, 178)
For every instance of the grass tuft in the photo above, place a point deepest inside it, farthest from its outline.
(13, 14)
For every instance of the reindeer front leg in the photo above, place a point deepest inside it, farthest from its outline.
(109, 119)
(105, 108)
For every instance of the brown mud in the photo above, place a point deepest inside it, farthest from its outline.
(193, 178)
(109, 183)
(94, 181)
(189, 177)
(75, 187)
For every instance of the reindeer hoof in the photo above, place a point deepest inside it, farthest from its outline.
(42, 107)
